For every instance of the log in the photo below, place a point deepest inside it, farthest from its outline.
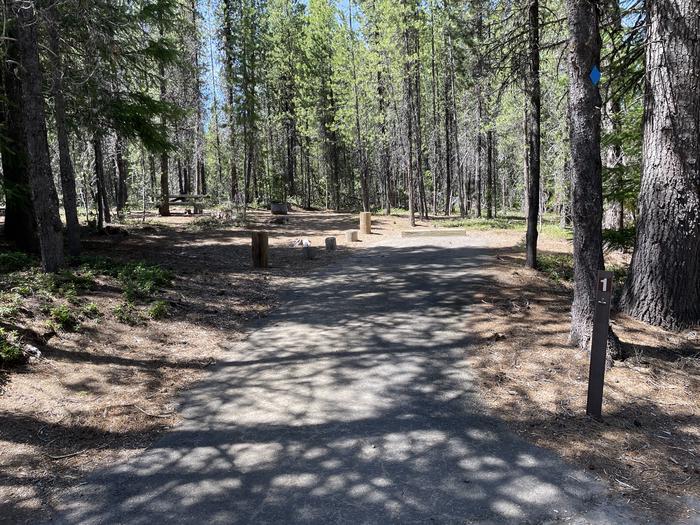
(330, 243)
(259, 249)
(365, 223)
(351, 236)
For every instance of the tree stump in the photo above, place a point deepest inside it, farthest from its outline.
(351, 236)
(259, 249)
(365, 222)
(330, 243)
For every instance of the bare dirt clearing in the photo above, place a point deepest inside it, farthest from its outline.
(105, 392)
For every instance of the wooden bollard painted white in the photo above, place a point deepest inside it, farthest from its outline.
(351, 236)
(306, 249)
(365, 223)
(330, 243)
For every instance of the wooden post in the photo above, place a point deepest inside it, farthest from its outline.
(599, 344)
(351, 236)
(365, 223)
(330, 243)
(259, 251)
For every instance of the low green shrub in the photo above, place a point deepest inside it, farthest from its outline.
(10, 348)
(64, 318)
(141, 280)
(91, 311)
(9, 304)
(16, 262)
(127, 313)
(557, 266)
(158, 310)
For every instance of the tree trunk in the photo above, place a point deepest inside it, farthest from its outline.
(663, 287)
(99, 180)
(44, 195)
(385, 151)
(164, 208)
(479, 162)
(20, 222)
(489, 174)
(448, 144)
(122, 174)
(533, 134)
(70, 199)
(409, 100)
(435, 160)
(587, 184)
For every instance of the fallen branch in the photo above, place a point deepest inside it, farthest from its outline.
(64, 456)
(164, 415)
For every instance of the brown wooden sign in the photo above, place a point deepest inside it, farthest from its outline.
(599, 343)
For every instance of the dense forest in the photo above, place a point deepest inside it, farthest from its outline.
(586, 110)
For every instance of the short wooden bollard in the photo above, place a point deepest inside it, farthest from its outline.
(259, 249)
(365, 223)
(351, 236)
(330, 243)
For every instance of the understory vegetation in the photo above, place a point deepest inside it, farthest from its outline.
(62, 301)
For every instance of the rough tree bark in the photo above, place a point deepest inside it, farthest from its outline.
(448, 141)
(20, 222)
(663, 287)
(99, 180)
(164, 207)
(533, 133)
(489, 174)
(584, 136)
(70, 199)
(44, 195)
(409, 100)
(122, 168)
(361, 151)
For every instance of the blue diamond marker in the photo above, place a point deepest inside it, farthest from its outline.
(595, 75)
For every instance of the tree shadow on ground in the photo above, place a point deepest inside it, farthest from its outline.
(352, 403)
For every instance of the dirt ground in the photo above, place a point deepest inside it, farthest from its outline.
(647, 447)
(104, 393)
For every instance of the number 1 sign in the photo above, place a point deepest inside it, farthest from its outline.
(599, 343)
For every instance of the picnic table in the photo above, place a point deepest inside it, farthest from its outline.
(185, 199)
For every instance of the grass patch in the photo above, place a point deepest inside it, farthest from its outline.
(550, 226)
(499, 223)
(560, 268)
(555, 231)
(10, 348)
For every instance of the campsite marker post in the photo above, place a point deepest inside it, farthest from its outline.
(599, 343)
